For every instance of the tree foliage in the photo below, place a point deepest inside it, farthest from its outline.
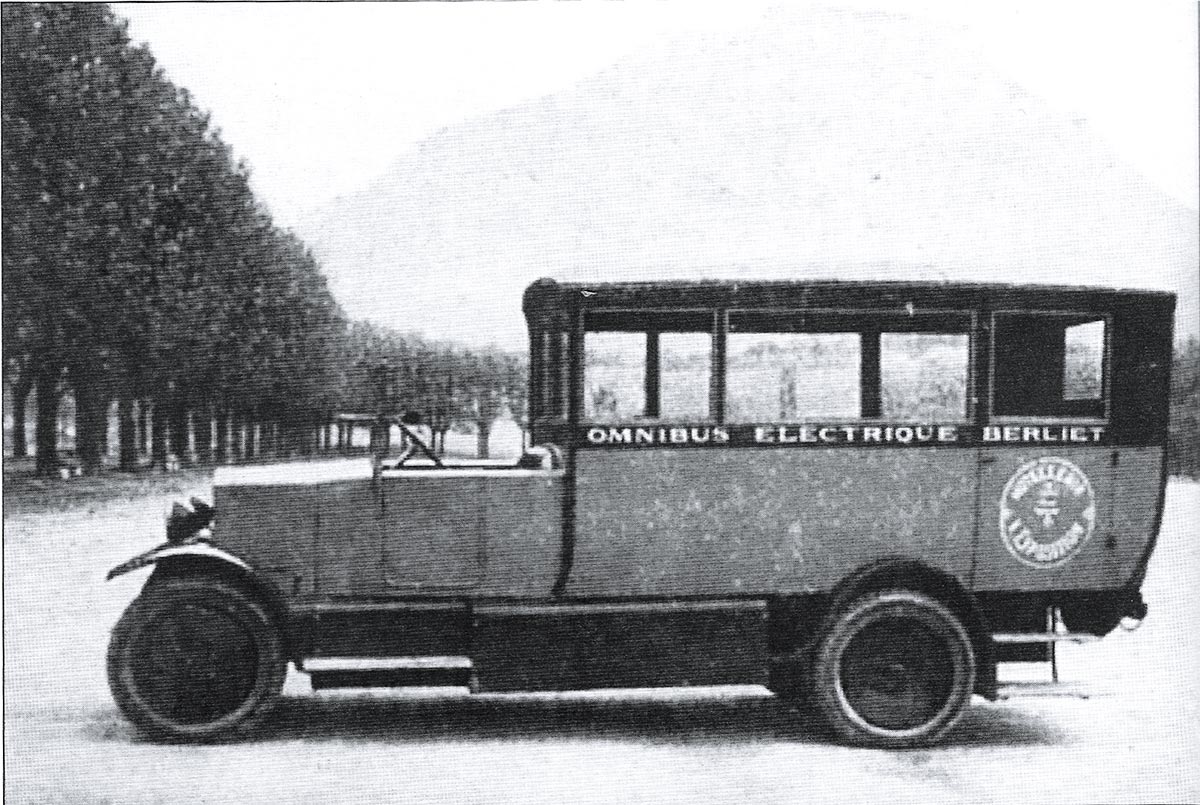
(139, 266)
(1183, 437)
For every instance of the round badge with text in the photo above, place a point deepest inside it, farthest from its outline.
(1047, 512)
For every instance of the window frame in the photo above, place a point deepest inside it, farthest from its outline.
(874, 323)
(862, 387)
(652, 368)
(1105, 368)
(868, 322)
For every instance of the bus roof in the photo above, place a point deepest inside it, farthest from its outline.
(550, 297)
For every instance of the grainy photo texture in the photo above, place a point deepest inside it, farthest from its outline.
(565, 403)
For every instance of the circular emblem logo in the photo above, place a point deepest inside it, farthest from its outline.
(1047, 512)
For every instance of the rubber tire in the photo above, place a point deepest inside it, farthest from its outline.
(843, 626)
(165, 598)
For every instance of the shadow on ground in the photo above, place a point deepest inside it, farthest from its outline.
(687, 720)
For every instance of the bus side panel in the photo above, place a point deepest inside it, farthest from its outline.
(746, 521)
(273, 529)
(1124, 485)
(431, 532)
(523, 534)
(1137, 479)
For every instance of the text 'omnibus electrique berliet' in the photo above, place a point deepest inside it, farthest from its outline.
(860, 494)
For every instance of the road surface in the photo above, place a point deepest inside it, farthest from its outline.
(1133, 741)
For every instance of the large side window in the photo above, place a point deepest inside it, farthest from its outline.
(647, 366)
(685, 370)
(1050, 365)
(776, 375)
(923, 376)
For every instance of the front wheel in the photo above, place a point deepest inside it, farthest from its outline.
(893, 669)
(195, 659)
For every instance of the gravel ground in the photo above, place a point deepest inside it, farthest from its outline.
(1134, 740)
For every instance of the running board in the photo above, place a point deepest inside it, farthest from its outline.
(388, 672)
(1038, 647)
(1015, 690)
(1044, 637)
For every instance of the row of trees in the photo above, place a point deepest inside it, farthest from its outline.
(446, 383)
(139, 267)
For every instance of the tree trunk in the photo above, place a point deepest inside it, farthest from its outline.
(483, 431)
(21, 390)
(222, 456)
(381, 438)
(105, 421)
(126, 432)
(89, 421)
(204, 429)
(143, 427)
(179, 427)
(46, 427)
(239, 437)
(158, 435)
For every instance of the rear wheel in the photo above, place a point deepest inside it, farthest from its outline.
(893, 669)
(195, 659)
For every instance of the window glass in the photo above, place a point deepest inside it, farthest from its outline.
(923, 376)
(614, 378)
(685, 365)
(793, 376)
(1083, 359)
(546, 377)
(1048, 365)
(616, 369)
(552, 381)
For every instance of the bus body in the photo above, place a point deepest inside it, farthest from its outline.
(864, 494)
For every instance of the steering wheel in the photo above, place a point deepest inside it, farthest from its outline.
(415, 439)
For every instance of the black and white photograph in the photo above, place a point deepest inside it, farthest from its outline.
(601, 402)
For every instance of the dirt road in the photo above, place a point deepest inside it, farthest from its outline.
(1134, 740)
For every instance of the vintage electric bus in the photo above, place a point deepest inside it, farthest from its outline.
(863, 495)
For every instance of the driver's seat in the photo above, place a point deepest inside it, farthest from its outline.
(540, 457)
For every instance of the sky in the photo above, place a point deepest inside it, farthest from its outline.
(320, 98)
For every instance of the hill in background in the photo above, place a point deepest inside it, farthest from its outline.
(821, 144)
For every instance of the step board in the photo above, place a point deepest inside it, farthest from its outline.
(1064, 690)
(1044, 637)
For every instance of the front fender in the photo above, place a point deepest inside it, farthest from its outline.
(168, 550)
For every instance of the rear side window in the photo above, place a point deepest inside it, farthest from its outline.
(1083, 361)
(1050, 365)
